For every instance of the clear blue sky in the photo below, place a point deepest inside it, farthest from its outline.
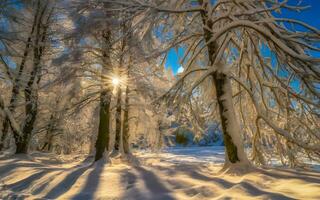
(310, 15)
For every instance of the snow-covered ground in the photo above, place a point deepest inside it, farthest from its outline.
(175, 173)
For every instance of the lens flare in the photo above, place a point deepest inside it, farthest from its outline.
(115, 81)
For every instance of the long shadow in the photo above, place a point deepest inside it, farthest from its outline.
(254, 191)
(178, 168)
(42, 186)
(154, 185)
(290, 175)
(66, 183)
(43, 169)
(295, 172)
(251, 189)
(25, 183)
(5, 170)
(193, 173)
(310, 173)
(131, 179)
(91, 184)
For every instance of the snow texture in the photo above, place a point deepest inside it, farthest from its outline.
(174, 173)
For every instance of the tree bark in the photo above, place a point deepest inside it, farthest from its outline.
(16, 82)
(159, 141)
(125, 134)
(49, 134)
(102, 142)
(31, 91)
(118, 121)
(230, 126)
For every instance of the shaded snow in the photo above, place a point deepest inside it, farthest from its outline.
(175, 173)
(208, 154)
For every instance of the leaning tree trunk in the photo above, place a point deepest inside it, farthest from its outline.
(230, 126)
(102, 142)
(118, 122)
(31, 108)
(22, 143)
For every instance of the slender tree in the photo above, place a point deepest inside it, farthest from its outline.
(17, 80)
(125, 126)
(31, 91)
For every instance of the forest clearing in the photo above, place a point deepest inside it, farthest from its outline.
(159, 99)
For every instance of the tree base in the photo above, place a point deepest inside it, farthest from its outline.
(117, 157)
(237, 169)
(21, 148)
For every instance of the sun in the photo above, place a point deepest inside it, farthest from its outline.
(115, 81)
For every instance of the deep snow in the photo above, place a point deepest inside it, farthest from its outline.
(175, 173)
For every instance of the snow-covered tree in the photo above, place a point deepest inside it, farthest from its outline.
(227, 42)
(29, 69)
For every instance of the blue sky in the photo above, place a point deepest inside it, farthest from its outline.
(310, 15)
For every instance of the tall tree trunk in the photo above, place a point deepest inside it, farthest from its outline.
(31, 90)
(118, 121)
(102, 142)
(230, 126)
(125, 134)
(16, 81)
(119, 92)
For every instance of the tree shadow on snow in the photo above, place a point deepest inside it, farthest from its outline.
(195, 173)
(6, 169)
(25, 183)
(91, 184)
(154, 185)
(130, 179)
(66, 183)
(312, 176)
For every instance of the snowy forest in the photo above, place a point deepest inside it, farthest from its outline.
(159, 99)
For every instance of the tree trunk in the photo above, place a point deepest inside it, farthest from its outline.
(50, 134)
(4, 136)
(16, 82)
(118, 121)
(159, 141)
(32, 111)
(230, 126)
(44, 146)
(125, 134)
(102, 142)
(31, 91)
